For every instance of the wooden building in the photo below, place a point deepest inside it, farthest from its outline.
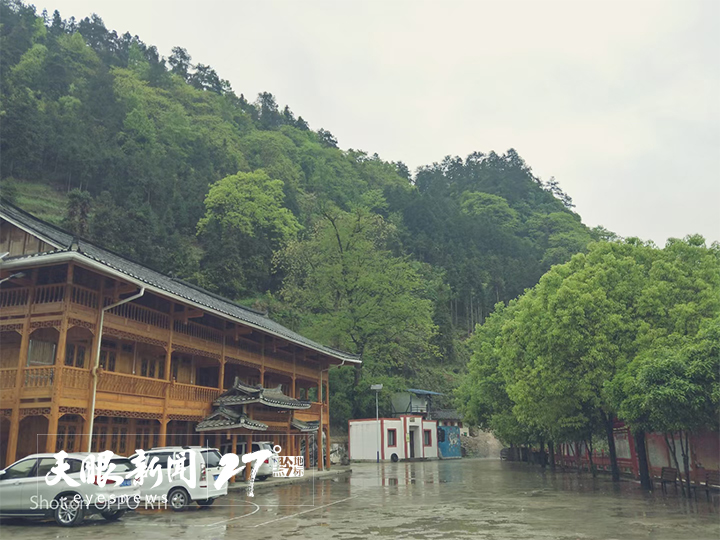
(176, 364)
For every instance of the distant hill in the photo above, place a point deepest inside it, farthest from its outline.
(138, 141)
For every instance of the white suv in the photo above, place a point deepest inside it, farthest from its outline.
(25, 493)
(266, 468)
(176, 492)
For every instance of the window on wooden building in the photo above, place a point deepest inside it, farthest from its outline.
(174, 365)
(107, 360)
(108, 355)
(75, 355)
(41, 353)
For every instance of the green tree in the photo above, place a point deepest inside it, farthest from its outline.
(77, 215)
(354, 294)
(244, 223)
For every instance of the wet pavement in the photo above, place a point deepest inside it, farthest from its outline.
(485, 499)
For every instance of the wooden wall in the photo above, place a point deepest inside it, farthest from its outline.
(18, 242)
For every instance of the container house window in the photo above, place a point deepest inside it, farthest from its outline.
(392, 437)
(427, 437)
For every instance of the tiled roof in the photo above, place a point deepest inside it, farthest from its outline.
(419, 392)
(243, 394)
(63, 241)
(305, 426)
(445, 414)
(223, 418)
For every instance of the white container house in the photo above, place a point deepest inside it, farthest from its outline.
(405, 438)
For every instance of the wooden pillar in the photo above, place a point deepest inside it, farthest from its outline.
(234, 449)
(162, 439)
(54, 417)
(13, 436)
(320, 442)
(326, 406)
(248, 449)
(221, 371)
(11, 452)
(262, 361)
(327, 448)
(307, 451)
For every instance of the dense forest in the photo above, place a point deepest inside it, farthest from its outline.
(161, 161)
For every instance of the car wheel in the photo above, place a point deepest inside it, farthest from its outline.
(206, 502)
(178, 499)
(113, 515)
(69, 511)
(263, 478)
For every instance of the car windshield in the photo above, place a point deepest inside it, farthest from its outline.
(211, 457)
(122, 465)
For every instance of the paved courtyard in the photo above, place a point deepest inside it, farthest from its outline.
(485, 499)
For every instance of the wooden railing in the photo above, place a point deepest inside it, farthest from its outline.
(189, 392)
(84, 296)
(47, 294)
(272, 416)
(14, 297)
(75, 377)
(315, 408)
(249, 347)
(130, 384)
(7, 377)
(38, 377)
(141, 314)
(198, 331)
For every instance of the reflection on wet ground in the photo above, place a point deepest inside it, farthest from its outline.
(441, 499)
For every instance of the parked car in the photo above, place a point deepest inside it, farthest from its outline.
(176, 492)
(266, 468)
(25, 493)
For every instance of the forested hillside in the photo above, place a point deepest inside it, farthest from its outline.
(164, 163)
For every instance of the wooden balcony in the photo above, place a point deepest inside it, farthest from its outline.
(313, 413)
(193, 394)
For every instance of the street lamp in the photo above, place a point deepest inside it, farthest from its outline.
(377, 388)
(13, 276)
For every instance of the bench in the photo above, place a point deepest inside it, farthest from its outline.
(712, 480)
(668, 475)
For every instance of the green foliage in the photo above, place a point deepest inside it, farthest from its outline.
(184, 175)
(244, 224)
(355, 295)
(626, 329)
(77, 216)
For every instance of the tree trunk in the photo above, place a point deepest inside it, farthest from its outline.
(542, 453)
(641, 451)
(685, 450)
(578, 461)
(673, 453)
(589, 447)
(358, 374)
(551, 452)
(608, 420)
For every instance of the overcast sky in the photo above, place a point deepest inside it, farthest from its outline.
(618, 100)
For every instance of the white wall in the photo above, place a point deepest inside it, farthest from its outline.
(399, 448)
(431, 452)
(363, 438)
